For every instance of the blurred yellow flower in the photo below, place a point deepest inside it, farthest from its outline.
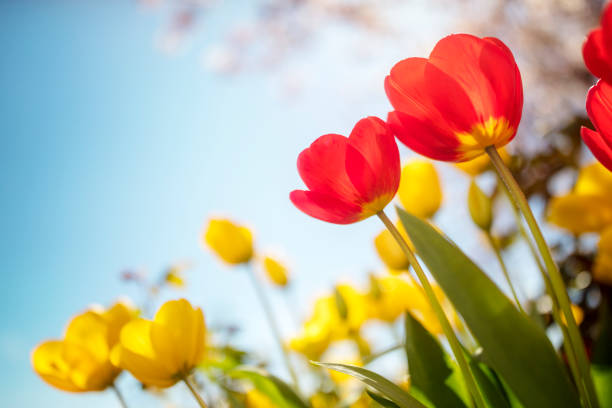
(231, 242)
(257, 399)
(165, 350)
(588, 208)
(480, 207)
(80, 362)
(390, 296)
(481, 163)
(335, 317)
(420, 192)
(324, 400)
(602, 269)
(389, 250)
(275, 271)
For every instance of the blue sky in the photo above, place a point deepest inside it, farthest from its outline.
(114, 154)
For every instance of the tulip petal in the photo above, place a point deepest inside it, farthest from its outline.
(598, 146)
(373, 139)
(325, 207)
(322, 168)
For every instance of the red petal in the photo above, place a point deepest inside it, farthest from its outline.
(486, 72)
(325, 207)
(598, 146)
(374, 141)
(597, 58)
(599, 108)
(423, 138)
(322, 168)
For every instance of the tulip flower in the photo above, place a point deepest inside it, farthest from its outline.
(231, 242)
(275, 271)
(419, 191)
(349, 179)
(165, 350)
(257, 399)
(80, 361)
(466, 96)
(599, 108)
(389, 250)
(597, 49)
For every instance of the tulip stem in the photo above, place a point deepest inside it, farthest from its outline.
(194, 392)
(375, 356)
(504, 268)
(119, 396)
(557, 286)
(265, 304)
(437, 308)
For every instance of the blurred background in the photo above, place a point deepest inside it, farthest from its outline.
(126, 124)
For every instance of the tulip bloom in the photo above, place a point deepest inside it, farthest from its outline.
(389, 250)
(165, 350)
(275, 271)
(80, 361)
(599, 108)
(231, 242)
(420, 192)
(349, 179)
(597, 49)
(466, 96)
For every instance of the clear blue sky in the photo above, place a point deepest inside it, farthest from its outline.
(113, 155)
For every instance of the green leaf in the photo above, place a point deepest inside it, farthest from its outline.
(488, 384)
(382, 401)
(432, 371)
(512, 344)
(376, 381)
(274, 388)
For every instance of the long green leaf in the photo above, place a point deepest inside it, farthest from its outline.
(382, 401)
(512, 345)
(432, 372)
(601, 369)
(274, 388)
(385, 387)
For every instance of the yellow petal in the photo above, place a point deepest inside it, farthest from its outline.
(581, 213)
(594, 179)
(389, 250)
(89, 330)
(256, 399)
(275, 271)
(116, 317)
(420, 192)
(480, 207)
(231, 242)
(177, 335)
(48, 363)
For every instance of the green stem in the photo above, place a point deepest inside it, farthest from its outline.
(569, 351)
(437, 308)
(265, 304)
(557, 285)
(119, 396)
(194, 392)
(374, 356)
(504, 269)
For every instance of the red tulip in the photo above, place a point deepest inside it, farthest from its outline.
(597, 49)
(599, 108)
(466, 96)
(349, 179)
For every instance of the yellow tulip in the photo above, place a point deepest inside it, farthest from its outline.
(419, 191)
(80, 362)
(335, 317)
(481, 163)
(588, 208)
(275, 271)
(257, 399)
(480, 207)
(390, 296)
(231, 242)
(165, 350)
(389, 250)
(602, 269)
